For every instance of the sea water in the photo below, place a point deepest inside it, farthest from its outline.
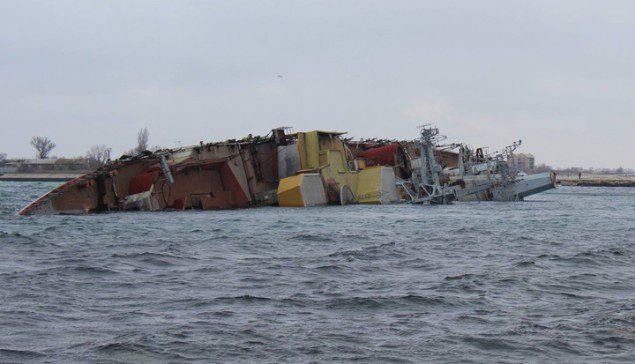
(548, 279)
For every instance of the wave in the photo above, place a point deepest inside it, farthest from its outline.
(16, 354)
(377, 302)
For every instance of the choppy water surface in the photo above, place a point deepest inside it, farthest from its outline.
(549, 279)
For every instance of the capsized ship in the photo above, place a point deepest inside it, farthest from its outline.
(289, 169)
(296, 170)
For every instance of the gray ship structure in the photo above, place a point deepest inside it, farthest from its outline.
(474, 175)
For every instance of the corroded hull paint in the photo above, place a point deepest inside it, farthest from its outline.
(232, 174)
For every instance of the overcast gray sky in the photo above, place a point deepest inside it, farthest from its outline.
(560, 75)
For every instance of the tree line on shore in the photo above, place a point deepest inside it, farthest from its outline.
(100, 154)
(97, 156)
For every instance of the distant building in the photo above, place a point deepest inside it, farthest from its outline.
(523, 161)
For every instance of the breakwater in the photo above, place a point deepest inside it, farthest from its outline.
(597, 180)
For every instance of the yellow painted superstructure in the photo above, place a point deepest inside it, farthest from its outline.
(290, 192)
(325, 153)
(376, 185)
(302, 190)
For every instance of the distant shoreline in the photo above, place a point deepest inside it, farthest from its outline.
(596, 180)
(39, 177)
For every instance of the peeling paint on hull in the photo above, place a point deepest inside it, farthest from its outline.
(232, 174)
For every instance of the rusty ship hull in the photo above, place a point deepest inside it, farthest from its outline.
(231, 174)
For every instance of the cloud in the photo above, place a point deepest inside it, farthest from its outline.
(558, 75)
